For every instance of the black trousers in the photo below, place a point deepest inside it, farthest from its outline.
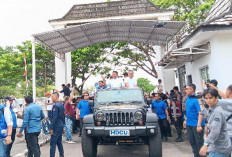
(81, 126)
(178, 125)
(33, 144)
(8, 147)
(195, 139)
(163, 124)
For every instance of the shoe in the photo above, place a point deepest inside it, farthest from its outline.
(67, 141)
(71, 142)
(166, 139)
(179, 139)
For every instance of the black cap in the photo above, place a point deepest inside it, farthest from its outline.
(8, 98)
(63, 85)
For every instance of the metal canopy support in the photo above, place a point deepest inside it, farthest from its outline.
(182, 55)
(33, 69)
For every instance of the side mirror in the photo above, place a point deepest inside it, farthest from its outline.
(90, 103)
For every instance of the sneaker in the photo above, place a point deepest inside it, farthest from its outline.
(71, 142)
(179, 140)
(67, 141)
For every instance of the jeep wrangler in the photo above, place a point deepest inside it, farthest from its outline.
(120, 117)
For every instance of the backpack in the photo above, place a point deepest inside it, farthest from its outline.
(178, 107)
(3, 125)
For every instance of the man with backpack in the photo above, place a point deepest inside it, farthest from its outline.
(6, 124)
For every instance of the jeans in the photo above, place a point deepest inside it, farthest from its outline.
(2, 148)
(8, 147)
(69, 126)
(215, 154)
(33, 144)
(195, 139)
(56, 140)
(163, 124)
(50, 115)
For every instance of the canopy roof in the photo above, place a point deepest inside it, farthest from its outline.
(146, 32)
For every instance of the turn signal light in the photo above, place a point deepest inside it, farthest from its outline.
(140, 122)
(98, 123)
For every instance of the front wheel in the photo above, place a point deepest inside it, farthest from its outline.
(155, 145)
(89, 146)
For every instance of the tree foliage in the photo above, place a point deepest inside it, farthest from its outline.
(12, 79)
(192, 11)
(90, 61)
(144, 83)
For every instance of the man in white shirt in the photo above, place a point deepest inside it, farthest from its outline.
(115, 82)
(49, 104)
(130, 81)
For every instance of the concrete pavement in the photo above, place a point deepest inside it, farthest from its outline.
(170, 149)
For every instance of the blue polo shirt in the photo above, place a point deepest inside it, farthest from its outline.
(84, 108)
(159, 107)
(192, 111)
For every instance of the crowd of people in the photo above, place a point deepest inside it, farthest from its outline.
(203, 113)
(207, 117)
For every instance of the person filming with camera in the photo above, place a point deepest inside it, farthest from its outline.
(218, 141)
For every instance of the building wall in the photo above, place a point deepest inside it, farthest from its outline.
(218, 61)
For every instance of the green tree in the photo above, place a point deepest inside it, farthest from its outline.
(144, 83)
(192, 11)
(136, 55)
(90, 61)
(12, 80)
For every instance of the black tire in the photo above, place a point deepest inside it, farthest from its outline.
(155, 145)
(89, 145)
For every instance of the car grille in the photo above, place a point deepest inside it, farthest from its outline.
(120, 118)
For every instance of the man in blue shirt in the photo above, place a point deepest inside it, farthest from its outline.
(160, 108)
(33, 115)
(101, 85)
(65, 90)
(56, 128)
(193, 122)
(84, 109)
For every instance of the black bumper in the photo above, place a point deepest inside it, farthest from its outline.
(134, 130)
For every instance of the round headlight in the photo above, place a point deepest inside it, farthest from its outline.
(99, 116)
(138, 115)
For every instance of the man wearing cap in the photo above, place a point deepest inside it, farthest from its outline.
(6, 124)
(49, 104)
(14, 118)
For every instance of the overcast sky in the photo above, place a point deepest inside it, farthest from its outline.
(19, 19)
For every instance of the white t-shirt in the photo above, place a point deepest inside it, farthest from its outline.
(49, 107)
(131, 82)
(115, 83)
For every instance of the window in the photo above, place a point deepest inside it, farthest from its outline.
(204, 72)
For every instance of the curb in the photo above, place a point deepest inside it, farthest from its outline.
(41, 143)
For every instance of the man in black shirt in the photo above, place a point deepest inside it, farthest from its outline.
(65, 90)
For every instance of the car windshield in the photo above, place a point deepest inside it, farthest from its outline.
(117, 96)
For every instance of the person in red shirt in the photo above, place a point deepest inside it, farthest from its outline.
(69, 117)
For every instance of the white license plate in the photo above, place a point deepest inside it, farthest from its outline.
(119, 132)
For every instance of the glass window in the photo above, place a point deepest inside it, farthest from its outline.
(204, 73)
(122, 95)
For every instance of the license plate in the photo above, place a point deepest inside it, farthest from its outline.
(119, 132)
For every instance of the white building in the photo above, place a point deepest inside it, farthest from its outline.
(204, 54)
